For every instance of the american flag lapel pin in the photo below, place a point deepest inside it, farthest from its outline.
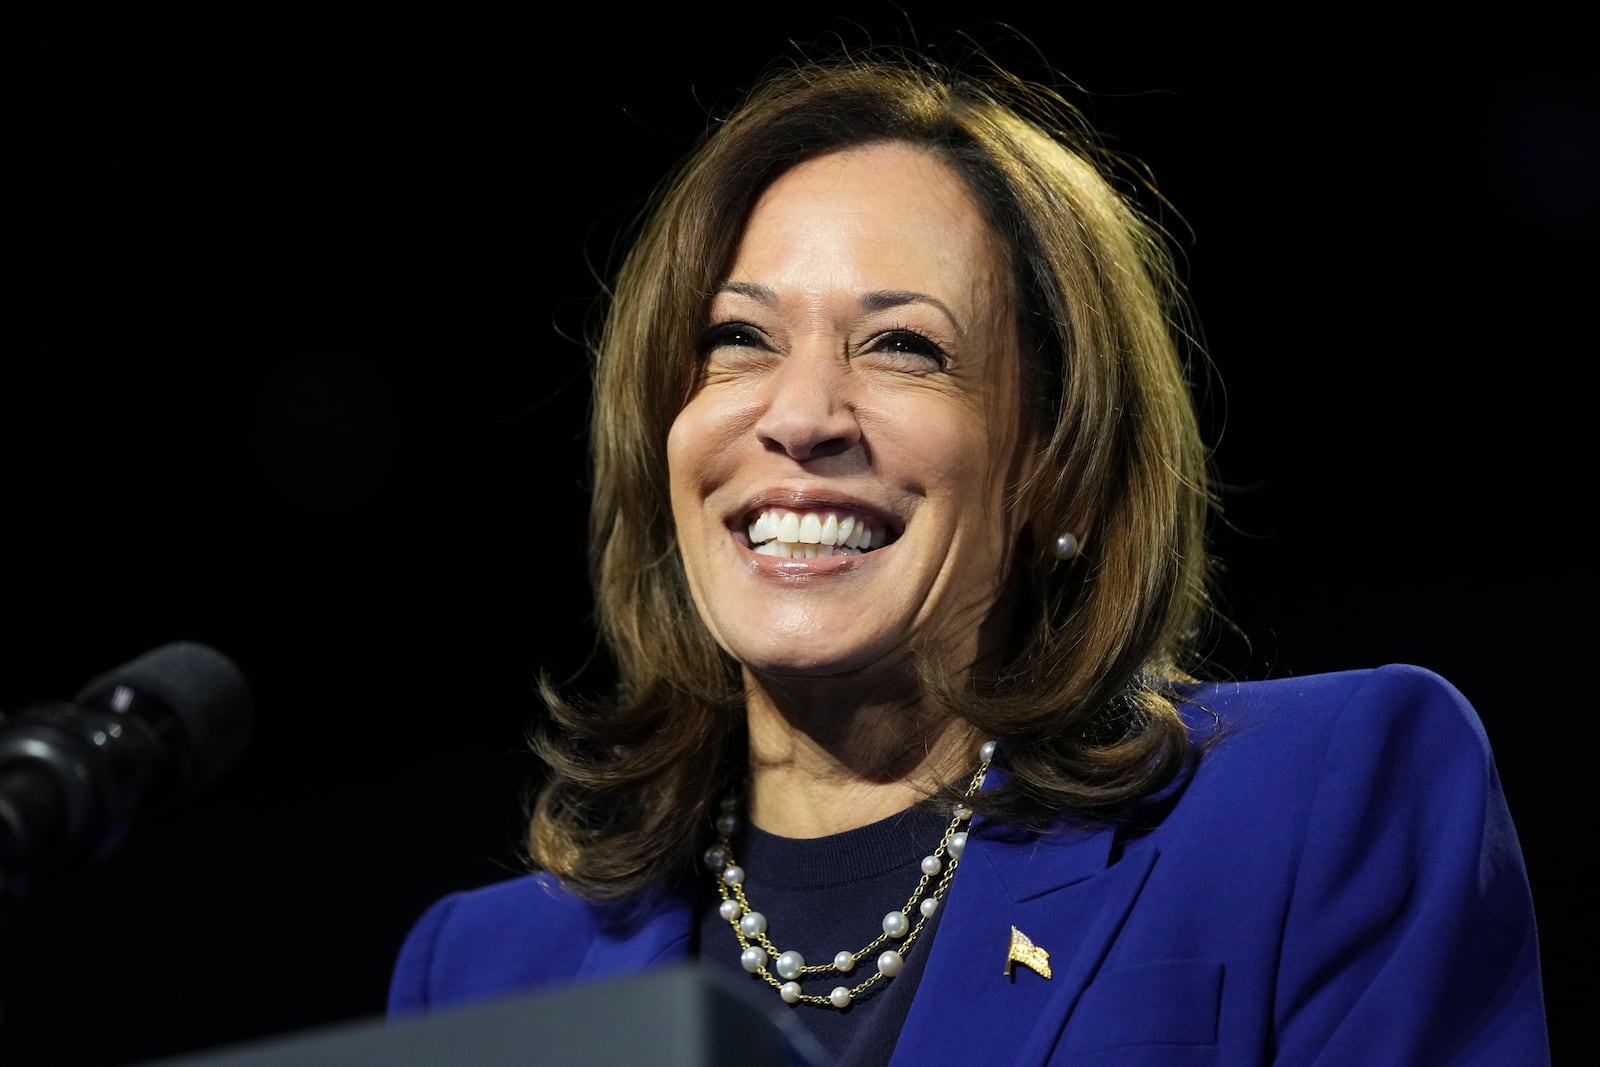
(1025, 952)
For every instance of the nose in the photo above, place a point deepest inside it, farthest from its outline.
(807, 412)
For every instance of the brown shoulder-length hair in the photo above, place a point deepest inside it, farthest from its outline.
(1083, 696)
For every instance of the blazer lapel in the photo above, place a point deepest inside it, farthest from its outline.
(1064, 895)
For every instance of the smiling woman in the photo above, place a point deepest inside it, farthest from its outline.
(860, 362)
(898, 543)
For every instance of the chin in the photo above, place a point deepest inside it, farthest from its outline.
(853, 661)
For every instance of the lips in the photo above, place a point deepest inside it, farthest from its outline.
(810, 534)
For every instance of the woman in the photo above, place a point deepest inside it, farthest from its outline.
(898, 543)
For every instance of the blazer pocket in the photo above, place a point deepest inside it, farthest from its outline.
(1164, 1002)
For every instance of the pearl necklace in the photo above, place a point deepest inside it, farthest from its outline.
(750, 926)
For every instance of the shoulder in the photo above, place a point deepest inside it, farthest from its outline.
(1368, 709)
(516, 934)
(1361, 811)
(1382, 689)
(527, 933)
(1389, 745)
(529, 906)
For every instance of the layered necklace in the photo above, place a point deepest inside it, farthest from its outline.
(760, 956)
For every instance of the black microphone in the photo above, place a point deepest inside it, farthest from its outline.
(75, 775)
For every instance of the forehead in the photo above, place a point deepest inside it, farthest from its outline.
(881, 216)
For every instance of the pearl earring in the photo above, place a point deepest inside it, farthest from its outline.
(1067, 545)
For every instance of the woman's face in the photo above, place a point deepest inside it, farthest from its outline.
(839, 477)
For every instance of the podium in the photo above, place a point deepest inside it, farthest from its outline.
(685, 1016)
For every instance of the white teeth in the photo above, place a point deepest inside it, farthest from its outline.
(795, 550)
(810, 534)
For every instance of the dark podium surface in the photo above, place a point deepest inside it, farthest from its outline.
(686, 1015)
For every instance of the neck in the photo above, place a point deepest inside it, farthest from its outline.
(821, 763)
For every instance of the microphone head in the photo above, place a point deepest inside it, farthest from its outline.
(204, 695)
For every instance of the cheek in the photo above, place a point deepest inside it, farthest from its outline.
(982, 458)
(689, 440)
(697, 454)
(975, 455)
(683, 465)
(680, 444)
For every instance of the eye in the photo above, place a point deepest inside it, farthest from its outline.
(730, 335)
(915, 350)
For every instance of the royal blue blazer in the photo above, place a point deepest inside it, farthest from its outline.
(1337, 882)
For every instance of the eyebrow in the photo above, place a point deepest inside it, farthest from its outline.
(876, 300)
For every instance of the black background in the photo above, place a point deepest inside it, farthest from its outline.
(292, 369)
